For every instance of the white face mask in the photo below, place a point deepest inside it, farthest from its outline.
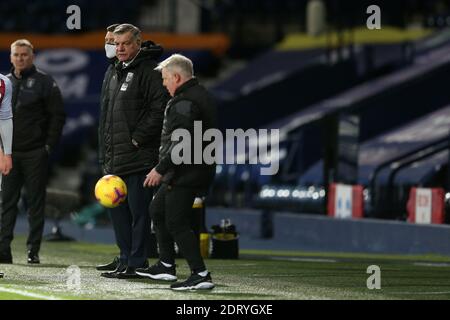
(110, 50)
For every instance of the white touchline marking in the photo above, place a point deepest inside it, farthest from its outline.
(304, 259)
(431, 264)
(28, 294)
(422, 293)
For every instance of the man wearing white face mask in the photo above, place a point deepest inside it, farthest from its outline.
(110, 50)
(110, 47)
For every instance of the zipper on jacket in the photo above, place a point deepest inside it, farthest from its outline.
(16, 91)
(101, 142)
(111, 116)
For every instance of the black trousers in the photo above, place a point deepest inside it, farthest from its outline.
(131, 221)
(172, 214)
(30, 170)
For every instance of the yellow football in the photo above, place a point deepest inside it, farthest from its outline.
(110, 191)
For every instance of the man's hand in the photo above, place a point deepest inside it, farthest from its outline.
(152, 179)
(7, 164)
(2, 162)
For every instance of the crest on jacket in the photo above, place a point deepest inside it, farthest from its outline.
(30, 82)
(129, 76)
(124, 86)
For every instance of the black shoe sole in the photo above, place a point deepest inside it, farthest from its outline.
(109, 275)
(165, 277)
(106, 268)
(200, 286)
(129, 276)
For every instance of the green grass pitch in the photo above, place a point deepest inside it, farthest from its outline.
(257, 275)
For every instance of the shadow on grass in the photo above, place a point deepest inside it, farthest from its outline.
(214, 292)
(51, 265)
(234, 295)
(150, 281)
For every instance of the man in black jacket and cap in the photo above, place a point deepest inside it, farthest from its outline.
(130, 132)
(38, 119)
(171, 208)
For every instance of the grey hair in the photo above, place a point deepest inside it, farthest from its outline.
(126, 27)
(112, 27)
(22, 43)
(178, 63)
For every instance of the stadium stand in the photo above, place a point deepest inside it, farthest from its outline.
(338, 98)
(370, 101)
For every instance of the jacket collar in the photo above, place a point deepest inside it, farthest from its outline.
(112, 60)
(25, 73)
(188, 84)
(126, 64)
(148, 51)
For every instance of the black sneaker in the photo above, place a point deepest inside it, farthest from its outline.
(1, 275)
(33, 258)
(158, 272)
(6, 257)
(129, 273)
(110, 266)
(124, 272)
(113, 274)
(194, 282)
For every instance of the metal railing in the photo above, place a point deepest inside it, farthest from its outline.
(397, 164)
